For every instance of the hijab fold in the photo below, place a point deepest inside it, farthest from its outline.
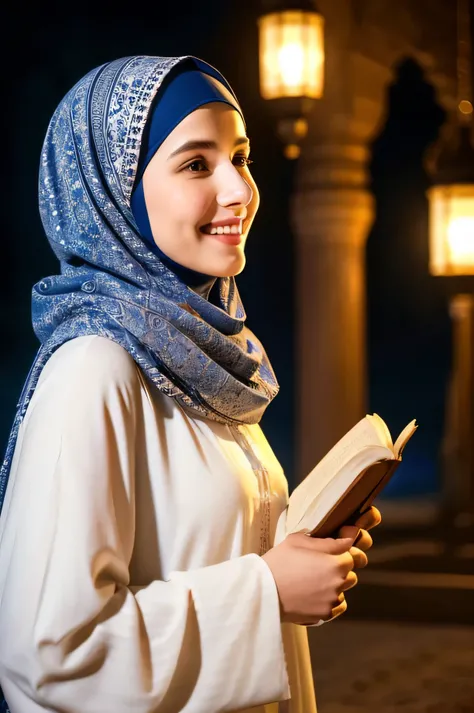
(111, 283)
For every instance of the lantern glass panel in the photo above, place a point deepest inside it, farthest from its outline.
(452, 229)
(291, 54)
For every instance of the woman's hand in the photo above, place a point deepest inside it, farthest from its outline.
(362, 543)
(311, 575)
(359, 531)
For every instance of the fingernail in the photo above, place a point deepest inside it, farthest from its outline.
(359, 535)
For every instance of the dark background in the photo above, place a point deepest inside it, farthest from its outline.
(409, 329)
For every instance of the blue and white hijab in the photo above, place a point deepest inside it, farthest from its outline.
(111, 282)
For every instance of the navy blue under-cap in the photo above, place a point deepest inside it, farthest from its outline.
(190, 85)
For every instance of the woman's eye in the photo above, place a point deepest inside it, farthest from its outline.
(197, 166)
(242, 161)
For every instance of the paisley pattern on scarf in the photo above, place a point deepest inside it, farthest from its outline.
(110, 284)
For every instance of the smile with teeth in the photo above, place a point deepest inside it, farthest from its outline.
(222, 230)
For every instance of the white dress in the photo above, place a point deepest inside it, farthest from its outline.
(130, 579)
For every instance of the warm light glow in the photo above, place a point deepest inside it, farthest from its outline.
(291, 64)
(291, 54)
(465, 107)
(292, 151)
(300, 128)
(452, 230)
(461, 240)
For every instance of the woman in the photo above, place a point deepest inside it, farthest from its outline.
(136, 568)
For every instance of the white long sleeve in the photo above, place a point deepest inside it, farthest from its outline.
(129, 579)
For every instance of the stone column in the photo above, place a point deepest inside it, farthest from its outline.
(332, 214)
(457, 450)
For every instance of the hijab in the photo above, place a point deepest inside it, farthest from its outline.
(113, 282)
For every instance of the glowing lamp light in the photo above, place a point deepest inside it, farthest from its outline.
(452, 230)
(291, 54)
(451, 210)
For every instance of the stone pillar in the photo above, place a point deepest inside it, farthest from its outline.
(332, 214)
(457, 451)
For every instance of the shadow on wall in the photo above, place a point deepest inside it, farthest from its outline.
(408, 323)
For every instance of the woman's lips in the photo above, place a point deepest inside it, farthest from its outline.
(229, 238)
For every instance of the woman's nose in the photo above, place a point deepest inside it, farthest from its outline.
(233, 188)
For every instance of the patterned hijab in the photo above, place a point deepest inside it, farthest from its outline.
(111, 283)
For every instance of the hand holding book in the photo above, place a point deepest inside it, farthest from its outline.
(313, 573)
(311, 576)
(344, 484)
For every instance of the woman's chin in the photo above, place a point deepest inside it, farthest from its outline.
(231, 268)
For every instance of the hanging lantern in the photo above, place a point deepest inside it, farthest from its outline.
(451, 208)
(291, 54)
(291, 58)
(451, 197)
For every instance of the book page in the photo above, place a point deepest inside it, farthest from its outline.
(404, 437)
(316, 508)
(332, 512)
(381, 428)
(361, 436)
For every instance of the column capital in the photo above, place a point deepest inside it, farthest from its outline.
(331, 203)
(332, 216)
(333, 163)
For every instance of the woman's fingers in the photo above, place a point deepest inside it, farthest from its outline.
(340, 606)
(364, 542)
(347, 531)
(359, 557)
(369, 519)
(362, 539)
(346, 563)
(349, 582)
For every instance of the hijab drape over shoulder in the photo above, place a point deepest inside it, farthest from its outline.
(111, 283)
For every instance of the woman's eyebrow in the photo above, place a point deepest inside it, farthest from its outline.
(196, 144)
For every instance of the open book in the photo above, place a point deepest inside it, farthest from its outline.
(345, 482)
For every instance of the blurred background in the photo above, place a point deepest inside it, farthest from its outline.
(355, 312)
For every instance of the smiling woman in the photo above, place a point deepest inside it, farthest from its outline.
(196, 190)
(139, 495)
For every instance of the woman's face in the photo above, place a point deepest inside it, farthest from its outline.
(199, 194)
